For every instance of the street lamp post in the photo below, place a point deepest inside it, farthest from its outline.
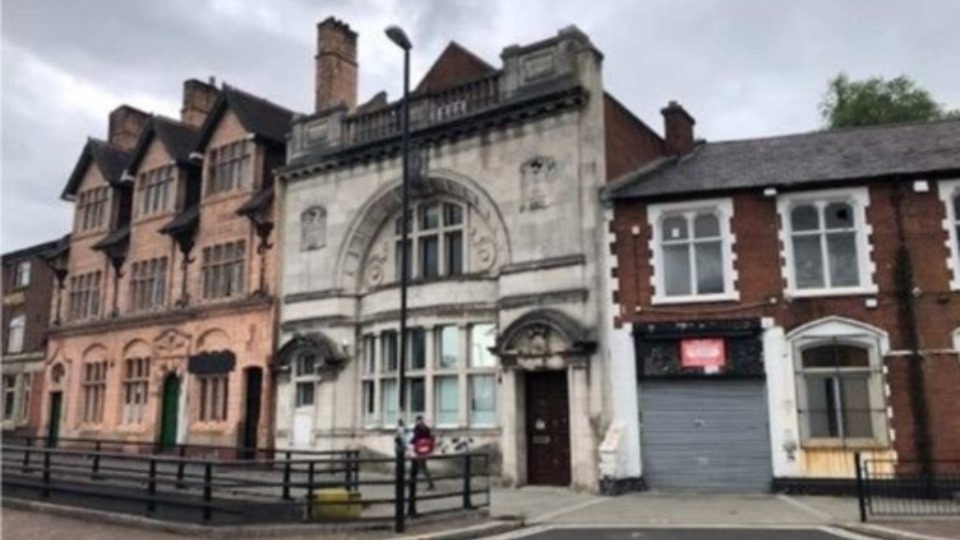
(399, 37)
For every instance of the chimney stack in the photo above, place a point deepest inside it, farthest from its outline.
(124, 126)
(336, 61)
(198, 100)
(678, 129)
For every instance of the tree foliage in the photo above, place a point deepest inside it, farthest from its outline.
(877, 101)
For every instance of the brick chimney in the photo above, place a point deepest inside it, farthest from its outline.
(198, 100)
(336, 60)
(124, 126)
(678, 129)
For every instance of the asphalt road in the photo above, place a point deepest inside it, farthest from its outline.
(640, 533)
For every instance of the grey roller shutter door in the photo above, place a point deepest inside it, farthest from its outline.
(705, 435)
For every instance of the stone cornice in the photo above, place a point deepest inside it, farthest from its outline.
(544, 264)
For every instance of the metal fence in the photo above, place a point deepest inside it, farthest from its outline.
(275, 486)
(897, 488)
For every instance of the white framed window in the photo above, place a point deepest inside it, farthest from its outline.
(435, 242)
(825, 238)
(305, 378)
(15, 332)
(213, 397)
(94, 385)
(839, 377)
(92, 208)
(136, 381)
(451, 377)
(26, 385)
(692, 246)
(21, 276)
(949, 191)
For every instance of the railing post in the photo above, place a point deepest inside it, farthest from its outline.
(207, 491)
(286, 477)
(398, 515)
(181, 466)
(152, 487)
(348, 470)
(96, 461)
(467, 499)
(861, 487)
(26, 458)
(46, 475)
(415, 465)
(310, 490)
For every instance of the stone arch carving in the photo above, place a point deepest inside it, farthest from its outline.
(331, 356)
(544, 334)
(137, 348)
(537, 183)
(492, 249)
(313, 228)
(93, 353)
(841, 327)
(213, 339)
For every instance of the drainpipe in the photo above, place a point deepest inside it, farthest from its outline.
(909, 326)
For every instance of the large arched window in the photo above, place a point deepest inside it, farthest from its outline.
(435, 245)
(840, 383)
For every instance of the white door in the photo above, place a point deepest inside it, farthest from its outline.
(303, 414)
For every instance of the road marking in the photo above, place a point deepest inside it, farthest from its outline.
(843, 533)
(805, 507)
(899, 532)
(834, 531)
(567, 510)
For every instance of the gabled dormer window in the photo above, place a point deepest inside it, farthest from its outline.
(92, 208)
(155, 190)
(228, 167)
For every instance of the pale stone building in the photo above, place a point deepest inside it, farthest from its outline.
(510, 297)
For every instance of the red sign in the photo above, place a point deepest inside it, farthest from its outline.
(705, 353)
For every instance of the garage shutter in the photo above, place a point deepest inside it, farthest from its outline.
(705, 435)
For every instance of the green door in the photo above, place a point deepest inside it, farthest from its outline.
(168, 414)
(56, 407)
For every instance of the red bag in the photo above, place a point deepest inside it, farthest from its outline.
(423, 447)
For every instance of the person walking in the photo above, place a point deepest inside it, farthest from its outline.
(422, 444)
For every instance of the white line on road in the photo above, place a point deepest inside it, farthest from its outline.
(573, 508)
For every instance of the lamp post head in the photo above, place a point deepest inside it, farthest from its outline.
(398, 36)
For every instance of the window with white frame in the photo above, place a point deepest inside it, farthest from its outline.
(693, 251)
(136, 382)
(305, 378)
(148, 284)
(452, 360)
(15, 332)
(950, 197)
(213, 397)
(227, 168)
(155, 189)
(21, 276)
(223, 270)
(94, 386)
(825, 240)
(9, 396)
(435, 243)
(85, 296)
(26, 384)
(840, 391)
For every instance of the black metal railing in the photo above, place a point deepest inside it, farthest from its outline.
(287, 486)
(897, 488)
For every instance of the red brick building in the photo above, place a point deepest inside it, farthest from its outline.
(792, 300)
(27, 286)
(165, 328)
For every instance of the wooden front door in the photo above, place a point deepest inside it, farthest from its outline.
(169, 411)
(56, 409)
(548, 429)
(251, 414)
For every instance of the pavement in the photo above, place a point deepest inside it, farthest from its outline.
(561, 514)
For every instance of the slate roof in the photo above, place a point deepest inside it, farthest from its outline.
(257, 202)
(42, 250)
(263, 118)
(182, 222)
(805, 159)
(176, 137)
(110, 159)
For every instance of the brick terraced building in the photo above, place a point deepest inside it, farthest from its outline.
(790, 301)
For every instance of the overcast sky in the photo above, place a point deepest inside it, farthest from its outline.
(743, 68)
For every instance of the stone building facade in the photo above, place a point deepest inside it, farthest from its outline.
(27, 285)
(791, 301)
(507, 347)
(164, 324)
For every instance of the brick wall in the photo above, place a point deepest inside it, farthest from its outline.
(629, 142)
